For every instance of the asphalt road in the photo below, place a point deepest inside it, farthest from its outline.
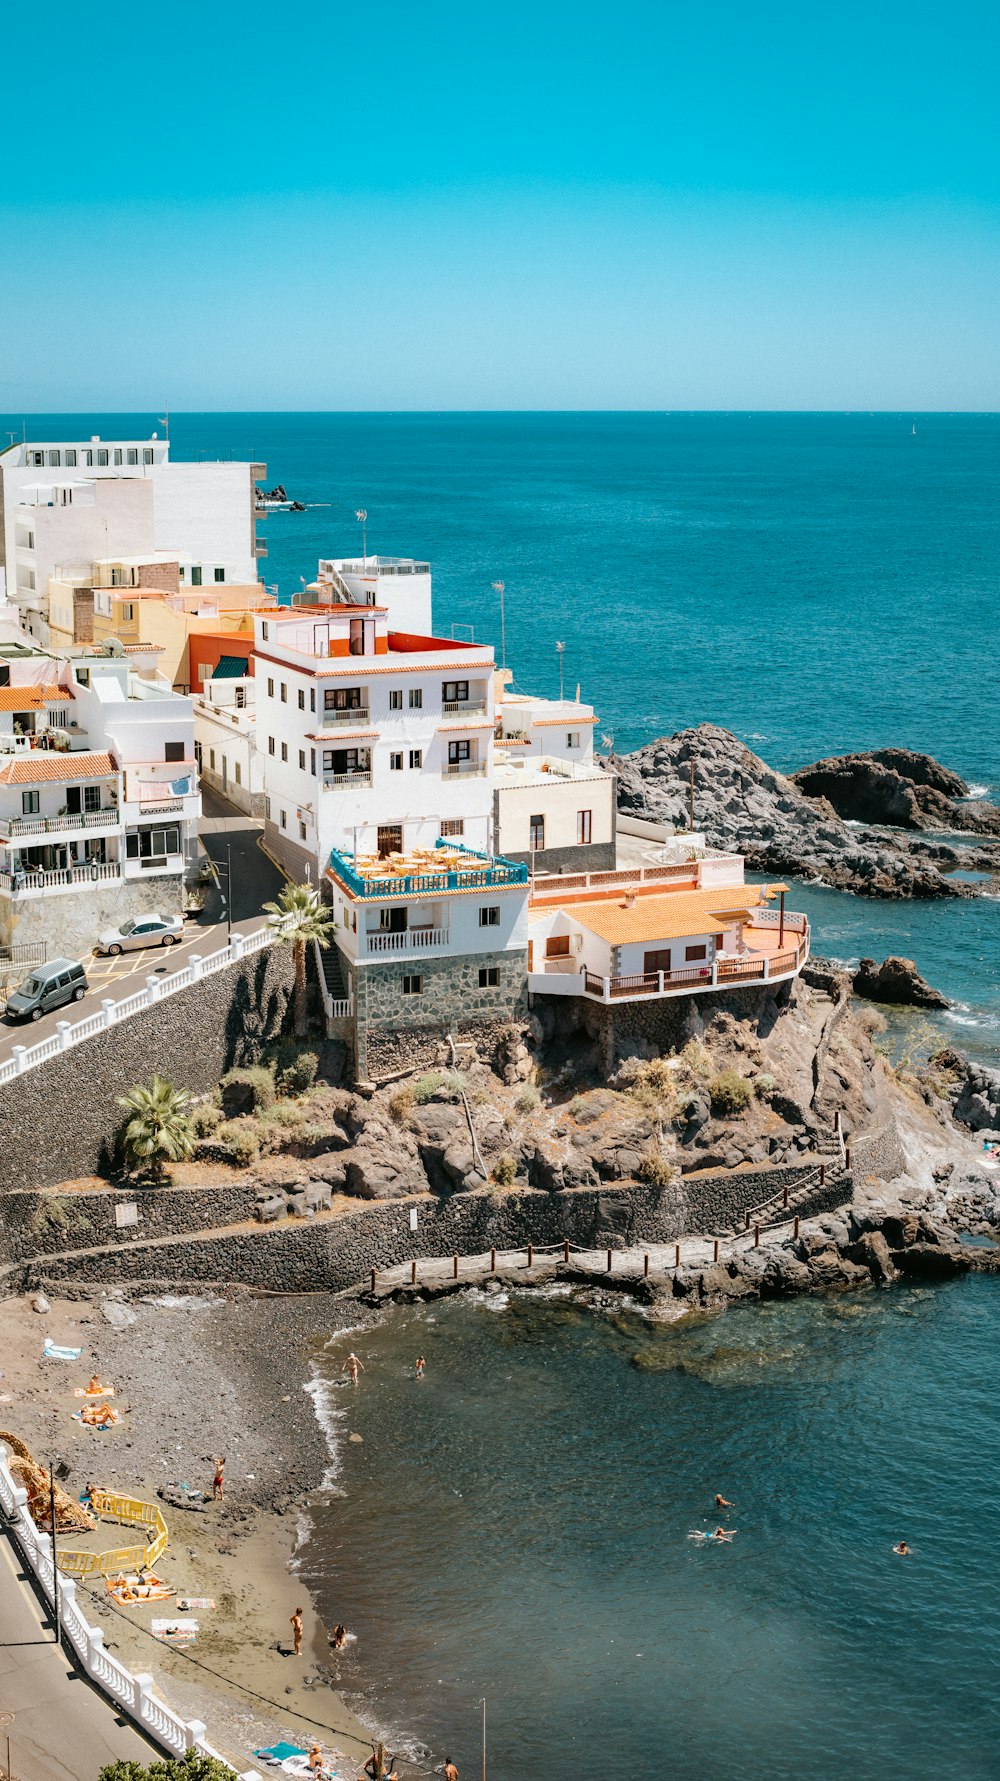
(60, 1727)
(255, 882)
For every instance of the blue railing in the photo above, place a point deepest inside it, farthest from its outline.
(486, 877)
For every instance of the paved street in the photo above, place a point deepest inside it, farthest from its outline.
(60, 1728)
(255, 882)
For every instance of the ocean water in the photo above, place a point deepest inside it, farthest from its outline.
(814, 582)
(515, 1527)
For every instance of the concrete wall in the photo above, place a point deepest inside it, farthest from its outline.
(70, 920)
(59, 1120)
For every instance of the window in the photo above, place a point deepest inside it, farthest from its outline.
(284, 692)
(302, 698)
(312, 698)
(302, 760)
(455, 692)
(302, 831)
(195, 574)
(270, 686)
(284, 751)
(342, 698)
(91, 797)
(390, 839)
(691, 953)
(489, 915)
(102, 459)
(88, 458)
(131, 456)
(152, 846)
(211, 760)
(55, 457)
(270, 745)
(413, 986)
(459, 751)
(283, 818)
(396, 762)
(128, 610)
(147, 454)
(219, 574)
(312, 762)
(396, 699)
(453, 825)
(29, 803)
(572, 738)
(241, 698)
(489, 977)
(264, 633)
(118, 455)
(58, 720)
(356, 646)
(656, 961)
(71, 460)
(173, 751)
(583, 827)
(416, 757)
(237, 773)
(416, 699)
(536, 828)
(557, 946)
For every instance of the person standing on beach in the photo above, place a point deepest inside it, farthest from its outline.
(421, 1366)
(219, 1482)
(297, 1633)
(351, 1367)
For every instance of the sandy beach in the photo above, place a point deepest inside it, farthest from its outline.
(195, 1378)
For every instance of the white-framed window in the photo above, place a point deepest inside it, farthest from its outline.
(88, 459)
(572, 738)
(453, 825)
(195, 574)
(584, 825)
(102, 458)
(128, 611)
(147, 454)
(36, 459)
(55, 457)
(57, 720)
(489, 977)
(413, 984)
(416, 757)
(302, 760)
(396, 699)
(489, 915)
(71, 460)
(132, 455)
(118, 455)
(396, 761)
(29, 803)
(416, 698)
(218, 573)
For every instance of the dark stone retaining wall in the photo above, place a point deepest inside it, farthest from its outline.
(59, 1120)
(620, 1028)
(37, 1224)
(878, 1153)
(332, 1253)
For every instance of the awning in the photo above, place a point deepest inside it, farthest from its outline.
(231, 668)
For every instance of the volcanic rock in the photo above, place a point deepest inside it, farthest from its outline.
(898, 981)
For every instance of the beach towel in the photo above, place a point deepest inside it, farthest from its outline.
(186, 1602)
(175, 1632)
(84, 1391)
(280, 1752)
(52, 1351)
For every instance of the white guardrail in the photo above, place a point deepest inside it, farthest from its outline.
(133, 1693)
(73, 1032)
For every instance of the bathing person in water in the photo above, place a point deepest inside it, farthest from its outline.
(421, 1366)
(351, 1367)
(902, 1550)
(722, 1503)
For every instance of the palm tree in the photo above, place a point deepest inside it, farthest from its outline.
(297, 917)
(158, 1130)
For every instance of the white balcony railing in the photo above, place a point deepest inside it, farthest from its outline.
(29, 883)
(361, 777)
(464, 707)
(51, 825)
(352, 714)
(409, 940)
(464, 770)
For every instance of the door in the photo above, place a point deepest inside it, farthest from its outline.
(73, 805)
(656, 961)
(390, 839)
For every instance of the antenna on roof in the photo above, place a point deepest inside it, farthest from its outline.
(560, 651)
(164, 420)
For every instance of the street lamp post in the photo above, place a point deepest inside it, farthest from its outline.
(498, 588)
(560, 652)
(361, 515)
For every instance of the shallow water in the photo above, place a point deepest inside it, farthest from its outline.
(515, 1527)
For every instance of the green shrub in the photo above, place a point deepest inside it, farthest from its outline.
(729, 1092)
(765, 1083)
(241, 1139)
(247, 1091)
(299, 1074)
(447, 1083)
(505, 1170)
(655, 1088)
(657, 1169)
(206, 1119)
(528, 1099)
(285, 1115)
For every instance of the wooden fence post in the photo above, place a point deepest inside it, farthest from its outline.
(645, 1266)
(715, 1250)
(822, 1174)
(531, 1254)
(784, 1197)
(677, 1255)
(454, 1267)
(493, 1261)
(373, 1280)
(565, 1249)
(609, 1261)
(756, 1236)
(795, 1230)
(413, 1273)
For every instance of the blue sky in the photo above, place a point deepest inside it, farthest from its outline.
(546, 206)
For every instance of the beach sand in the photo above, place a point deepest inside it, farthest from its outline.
(195, 1378)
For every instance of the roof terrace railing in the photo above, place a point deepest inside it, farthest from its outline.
(491, 873)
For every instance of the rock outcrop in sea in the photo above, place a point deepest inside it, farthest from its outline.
(744, 806)
(897, 786)
(896, 981)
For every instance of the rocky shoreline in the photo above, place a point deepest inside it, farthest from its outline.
(804, 826)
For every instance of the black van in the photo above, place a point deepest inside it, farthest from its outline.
(49, 986)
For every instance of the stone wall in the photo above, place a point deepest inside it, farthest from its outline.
(70, 921)
(335, 1251)
(626, 1029)
(393, 1029)
(37, 1224)
(59, 1119)
(878, 1153)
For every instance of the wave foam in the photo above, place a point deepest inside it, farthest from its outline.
(977, 791)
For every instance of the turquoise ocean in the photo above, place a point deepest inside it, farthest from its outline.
(515, 1527)
(814, 582)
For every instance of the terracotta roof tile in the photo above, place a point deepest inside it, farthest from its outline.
(37, 765)
(32, 698)
(671, 917)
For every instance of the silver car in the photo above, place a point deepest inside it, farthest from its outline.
(144, 930)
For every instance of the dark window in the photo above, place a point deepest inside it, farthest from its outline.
(557, 946)
(302, 760)
(396, 762)
(342, 698)
(394, 920)
(489, 977)
(416, 698)
(413, 986)
(312, 762)
(312, 698)
(284, 751)
(396, 700)
(416, 757)
(195, 574)
(302, 698)
(284, 692)
(91, 797)
(173, 751)
(459, 751)
(152, 844)
(695, 952)
(536, 826)
(390, 839)
(270, 745)
(489, 915)
(220, 574)
(656, 961)
(270, 687)
(455, 692)
(29, 803)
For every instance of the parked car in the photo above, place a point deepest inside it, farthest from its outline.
(144, 930)
(49, 986)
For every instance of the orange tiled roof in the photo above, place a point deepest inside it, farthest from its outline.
(32, 698)
(670, 917)
(39, 764)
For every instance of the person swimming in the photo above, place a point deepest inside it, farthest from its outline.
(722, 1502)
(721, 1533)
(902, 1550)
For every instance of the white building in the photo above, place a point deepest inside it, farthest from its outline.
(65, 505)
(99, 799)
(225, 737)
(554, 805)
(400, 584)
(378, 758)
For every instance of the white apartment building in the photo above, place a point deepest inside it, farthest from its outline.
(225, 737)
(65, 505)
(554, 805)
(99, 799)
(400, 584)
(378, 757)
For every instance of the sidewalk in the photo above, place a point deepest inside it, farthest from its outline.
(61, 1729)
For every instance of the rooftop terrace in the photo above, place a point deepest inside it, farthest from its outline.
(425, 871)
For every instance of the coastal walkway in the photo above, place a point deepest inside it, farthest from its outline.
(60, 1727)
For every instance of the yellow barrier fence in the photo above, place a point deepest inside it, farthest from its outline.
(122, 1558)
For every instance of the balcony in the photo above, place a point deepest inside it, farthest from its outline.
(464, 707)
(464, 770)
(14, 827)
(559, 976)
(380, 942)
(34, 883)
(461, 869)
(352, 714)
(337, 780)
